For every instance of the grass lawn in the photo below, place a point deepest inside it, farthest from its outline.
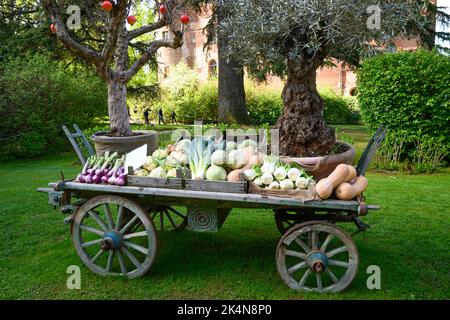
(409, 241)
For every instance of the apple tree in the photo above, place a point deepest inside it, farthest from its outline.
(293, 38)
(103, 36)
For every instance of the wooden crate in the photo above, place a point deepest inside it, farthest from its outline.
(303, 195)
(188, 184)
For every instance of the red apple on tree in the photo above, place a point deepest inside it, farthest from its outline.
(162, 9)
(52, 28)
(131, 20)
(107, 5)
(184, 19)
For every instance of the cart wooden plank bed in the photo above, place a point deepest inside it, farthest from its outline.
(115, 228)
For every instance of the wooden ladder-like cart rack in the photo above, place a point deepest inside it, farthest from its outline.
(114, 228)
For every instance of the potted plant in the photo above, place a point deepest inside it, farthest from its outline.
(103, 40)
(293, 39)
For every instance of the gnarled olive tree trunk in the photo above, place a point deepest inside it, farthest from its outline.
(302, 129)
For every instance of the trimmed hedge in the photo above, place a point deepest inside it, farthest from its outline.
(37, 96)
(409, 92)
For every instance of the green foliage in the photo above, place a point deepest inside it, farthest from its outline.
(182, 93)
(409, 92)
(265, 106)
(38, 96)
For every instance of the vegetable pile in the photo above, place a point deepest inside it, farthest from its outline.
(205, 158)
(273, 174)
(104, 169)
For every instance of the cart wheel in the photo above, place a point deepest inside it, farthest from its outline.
(169, 218)
(286, 219)
(328, 264)
(105, 241)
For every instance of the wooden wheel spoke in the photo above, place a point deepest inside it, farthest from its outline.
(135, 235)
(296, 254)
(297, 267)
(91, 229)
(305, 276)
(99, 220)
(136, 247)
(302, 244)
(109, 216)
(131, 256)
(170, 219)
(129, 224)
(314, 240)
(123, 267)
(110, 261)
(338, 263)
(177, 212)
(98, 255)
(336, 251)
(91, 243)
(119, 218)
(332, 275)
(327, 241)
(319, 281)
(161, 220)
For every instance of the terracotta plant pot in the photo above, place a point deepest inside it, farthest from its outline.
(321, 167)
(122, 145)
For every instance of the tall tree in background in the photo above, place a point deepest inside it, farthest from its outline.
(103, 41)
(232, 105)
(294, 38)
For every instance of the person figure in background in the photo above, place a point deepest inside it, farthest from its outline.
(173, 116)
(160, 117)
(146, 112)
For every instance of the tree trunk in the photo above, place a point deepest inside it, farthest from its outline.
(302, 129)
(232, 107)
(119, 120)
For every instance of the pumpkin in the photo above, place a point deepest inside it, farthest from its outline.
(347, 191)
(324, 188)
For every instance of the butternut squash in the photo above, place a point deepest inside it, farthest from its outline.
(351, 174)
(347, 191)
(324, 188)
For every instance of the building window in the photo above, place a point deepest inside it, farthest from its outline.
(165, 35)
(212, 68)
(166, 71)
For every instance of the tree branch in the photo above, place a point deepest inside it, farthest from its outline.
(146, 29)
(87, 54)
(118, 17)
(151, 51)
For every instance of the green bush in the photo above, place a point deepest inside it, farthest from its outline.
(265, 106)
(410, 93)
(38, 96)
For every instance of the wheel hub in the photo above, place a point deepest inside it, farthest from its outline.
(111, 241)
(317, 261)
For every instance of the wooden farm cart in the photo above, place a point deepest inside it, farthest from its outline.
(115, 228)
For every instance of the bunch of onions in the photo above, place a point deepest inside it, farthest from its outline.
(103, 169)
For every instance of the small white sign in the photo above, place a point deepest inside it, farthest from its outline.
(136, 158)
